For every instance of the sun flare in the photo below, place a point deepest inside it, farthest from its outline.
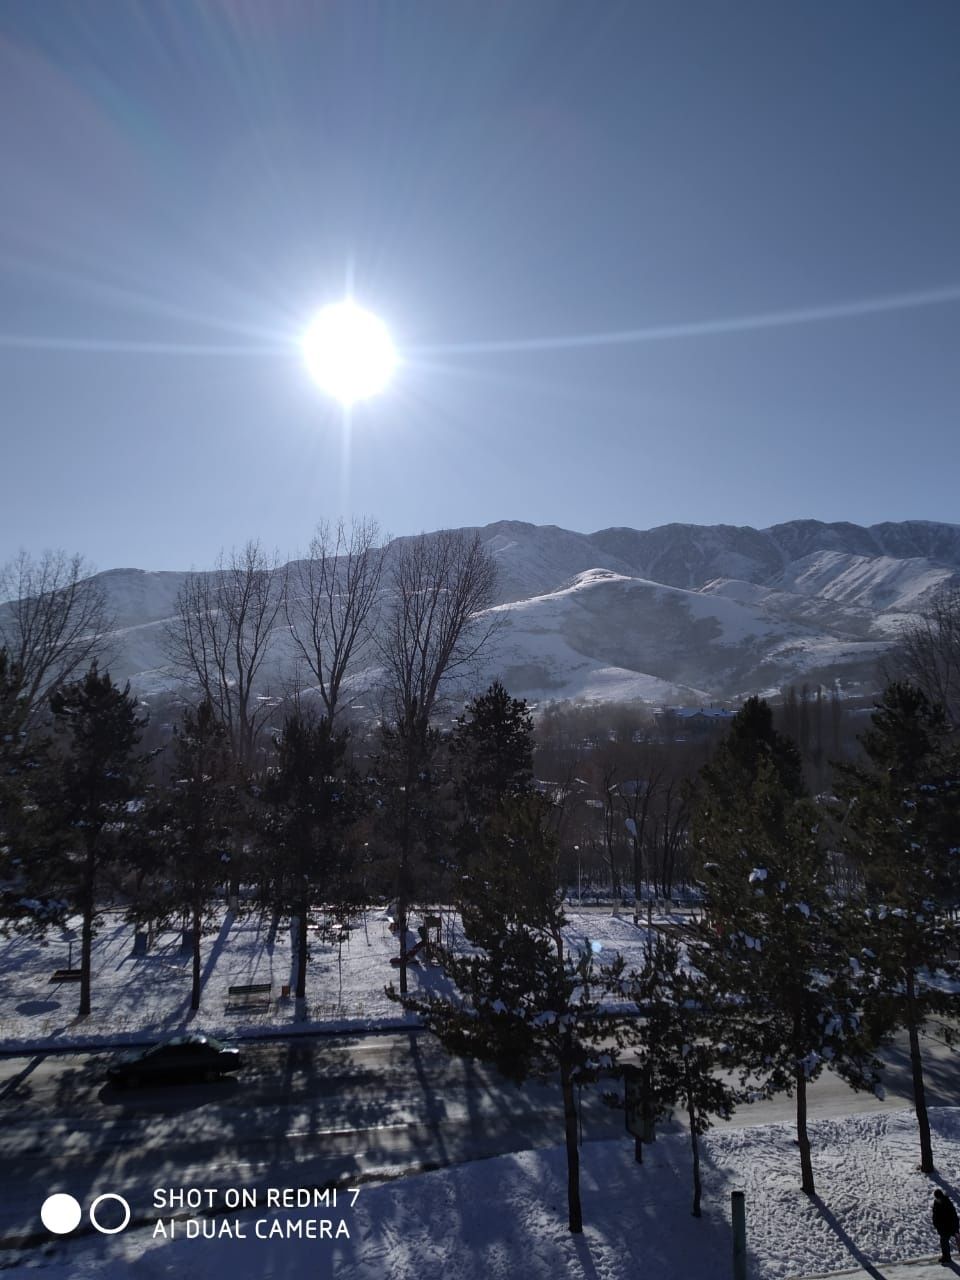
(348, 352)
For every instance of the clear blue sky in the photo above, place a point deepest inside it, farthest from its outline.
(184, 183)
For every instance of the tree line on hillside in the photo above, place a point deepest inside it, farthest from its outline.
(828, 923)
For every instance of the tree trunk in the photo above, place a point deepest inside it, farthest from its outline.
(197, 924)
(402, 932)
(916, 1068)
(803, 1139)
(573, 1154)
(403, 871)
(695, 1144)
(86, 936)
(302, 922)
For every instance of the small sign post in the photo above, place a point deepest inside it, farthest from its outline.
(639, 1113)
(739, 1216)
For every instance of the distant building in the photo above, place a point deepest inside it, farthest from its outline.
(692, 720)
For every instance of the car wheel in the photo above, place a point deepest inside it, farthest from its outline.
(211, 1074)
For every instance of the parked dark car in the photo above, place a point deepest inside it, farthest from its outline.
(182, 1057)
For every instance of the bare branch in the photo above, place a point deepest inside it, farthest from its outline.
(440, 585)
(221, 635)
(53, 620)
(928, 653)
(331, 600)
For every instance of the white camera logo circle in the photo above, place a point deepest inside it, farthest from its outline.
(61, 1213)
(109, 1231)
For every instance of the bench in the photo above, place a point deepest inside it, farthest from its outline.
(66, 975)
(254, 994)
(333, 934)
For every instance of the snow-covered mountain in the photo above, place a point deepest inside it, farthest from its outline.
(680, 613)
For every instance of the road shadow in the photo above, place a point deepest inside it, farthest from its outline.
(169, 1098)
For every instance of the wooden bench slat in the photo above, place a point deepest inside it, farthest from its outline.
(66, 975)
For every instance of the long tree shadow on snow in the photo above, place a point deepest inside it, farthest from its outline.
(845, 1238)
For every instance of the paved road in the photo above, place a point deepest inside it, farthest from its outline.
(310, 1112)
(326, 1109)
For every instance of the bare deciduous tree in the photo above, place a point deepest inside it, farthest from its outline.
(636, 796)
(330, 599)
(440, 583)
(220, 638)
(928, 653)
(53, 619)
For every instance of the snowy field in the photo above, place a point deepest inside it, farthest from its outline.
(138, 998)
(497, 1219)
(492, 1219)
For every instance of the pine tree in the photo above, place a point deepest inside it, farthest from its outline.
(196, 816)
(680, 1046)
(310, 800)
(904, 827)
(492, 749)
(777, 941)
(414, 818)
(525, 1000)
(13, 714)
(29, 902)
(91, 796)
(751, 738)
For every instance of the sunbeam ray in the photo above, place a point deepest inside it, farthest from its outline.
(121, 346)
(702, 328)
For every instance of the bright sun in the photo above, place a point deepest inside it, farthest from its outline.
(349, 352)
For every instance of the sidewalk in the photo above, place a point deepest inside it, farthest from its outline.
(915, 1269)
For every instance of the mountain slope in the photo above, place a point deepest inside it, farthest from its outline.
(680, 613)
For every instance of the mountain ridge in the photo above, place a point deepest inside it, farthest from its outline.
(681, 612)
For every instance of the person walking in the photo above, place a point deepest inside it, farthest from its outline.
(945, 1222)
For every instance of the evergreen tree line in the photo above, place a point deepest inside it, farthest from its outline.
(89, 820)
(785, 976)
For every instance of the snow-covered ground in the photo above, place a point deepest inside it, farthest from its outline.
(491, 1219)
(142, 997)
(500, 1218)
